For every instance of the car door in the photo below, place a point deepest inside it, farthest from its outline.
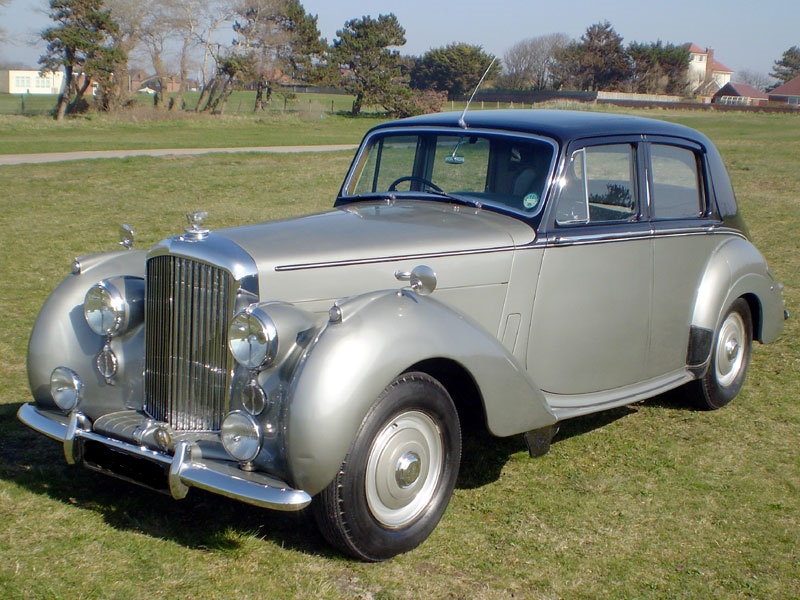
(682, 223)
(591, 313)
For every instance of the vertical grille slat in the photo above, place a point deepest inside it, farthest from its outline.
(187, 367)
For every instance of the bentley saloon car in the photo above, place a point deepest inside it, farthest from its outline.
(510, 268)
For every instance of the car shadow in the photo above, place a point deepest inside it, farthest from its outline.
(201, 521)
(483, 456)
(207, 521)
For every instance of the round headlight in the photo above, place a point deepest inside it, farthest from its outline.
(241, 436)
(104, 309)
(253, 338)
(65, 388)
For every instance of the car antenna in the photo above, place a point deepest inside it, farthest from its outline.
(462, 123)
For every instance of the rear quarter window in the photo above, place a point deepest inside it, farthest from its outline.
(677, 190)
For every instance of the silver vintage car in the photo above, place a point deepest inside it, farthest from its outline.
(515, 268)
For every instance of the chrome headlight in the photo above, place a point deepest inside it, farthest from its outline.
(114, 305)
(104, 309)
(241, 436)
(65, 388)
(253, 338)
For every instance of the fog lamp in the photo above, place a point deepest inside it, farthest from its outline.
(65, 388)
(241, 436)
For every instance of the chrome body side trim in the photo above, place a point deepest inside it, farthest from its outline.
(184, 470)
(385, 259)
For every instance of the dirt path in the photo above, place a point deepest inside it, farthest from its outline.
(27, 159)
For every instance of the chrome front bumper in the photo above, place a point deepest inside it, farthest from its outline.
(183, 470)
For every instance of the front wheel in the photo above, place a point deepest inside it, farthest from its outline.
(396, 481)
(729, 359)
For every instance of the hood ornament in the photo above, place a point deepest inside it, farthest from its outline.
(196, 231)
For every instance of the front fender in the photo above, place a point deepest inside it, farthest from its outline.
(380, 336)
(61, 336)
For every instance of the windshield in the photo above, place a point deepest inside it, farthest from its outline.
(486, 168)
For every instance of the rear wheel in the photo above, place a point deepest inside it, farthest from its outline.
(397, 479)
(729, 359)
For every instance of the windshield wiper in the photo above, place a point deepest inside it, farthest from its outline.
(458, 199)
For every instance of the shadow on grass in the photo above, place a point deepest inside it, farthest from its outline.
(201, 521)
(211, 522)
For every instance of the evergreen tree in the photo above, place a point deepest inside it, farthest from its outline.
(658, 68)
(456, 69)
(81, 43)
(370, 69)
(279, 38)
(597, 62)
(788, 67)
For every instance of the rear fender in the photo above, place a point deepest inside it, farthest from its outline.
(380, 336)
(736, 269)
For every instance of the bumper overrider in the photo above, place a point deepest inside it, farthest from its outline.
(188, 463)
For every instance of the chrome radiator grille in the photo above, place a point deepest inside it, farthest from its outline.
(187, 366)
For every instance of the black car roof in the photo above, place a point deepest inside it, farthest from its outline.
(562, 125)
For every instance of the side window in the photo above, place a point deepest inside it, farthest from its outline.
(599, 186)
(677, 190)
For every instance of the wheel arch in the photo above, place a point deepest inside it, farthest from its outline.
(381, 336)
(461, 386)
(735, 270)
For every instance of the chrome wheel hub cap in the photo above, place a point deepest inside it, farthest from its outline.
(730, 356)
(404, 467)
(408, 469)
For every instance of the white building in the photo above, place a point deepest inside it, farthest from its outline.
(30, 82)
(706, 74)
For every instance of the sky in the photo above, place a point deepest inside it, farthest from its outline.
(745, 34)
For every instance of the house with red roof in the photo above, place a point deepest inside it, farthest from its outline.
(740, 94)
(788, 93)
(706, 74)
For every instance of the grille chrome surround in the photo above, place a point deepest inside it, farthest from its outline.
(187, 365)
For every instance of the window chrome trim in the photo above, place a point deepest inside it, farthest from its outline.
(359, 161)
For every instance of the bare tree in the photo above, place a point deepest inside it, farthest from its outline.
(156, 32)
(130, 15)
(528, 64)
(194, 23)
(760, 81)
(2, 31)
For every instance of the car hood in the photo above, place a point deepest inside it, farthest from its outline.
(357, 248)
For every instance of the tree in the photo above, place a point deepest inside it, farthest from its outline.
(362, 51)
(597, 62)
(529, 64)
(658, 69)
(81, 43)
(788, 66)
(129, 15)
(760, 81)
(456, 69)
(278, 36)
(229, 69)
(2, 31)
(155, 35)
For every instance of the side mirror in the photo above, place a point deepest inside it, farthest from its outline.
(422, 279)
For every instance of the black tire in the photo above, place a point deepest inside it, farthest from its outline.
(730, 357)
(395, 483)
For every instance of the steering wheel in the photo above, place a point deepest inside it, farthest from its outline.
(422, 180)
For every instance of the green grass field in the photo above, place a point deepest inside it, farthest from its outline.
(650, 501)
